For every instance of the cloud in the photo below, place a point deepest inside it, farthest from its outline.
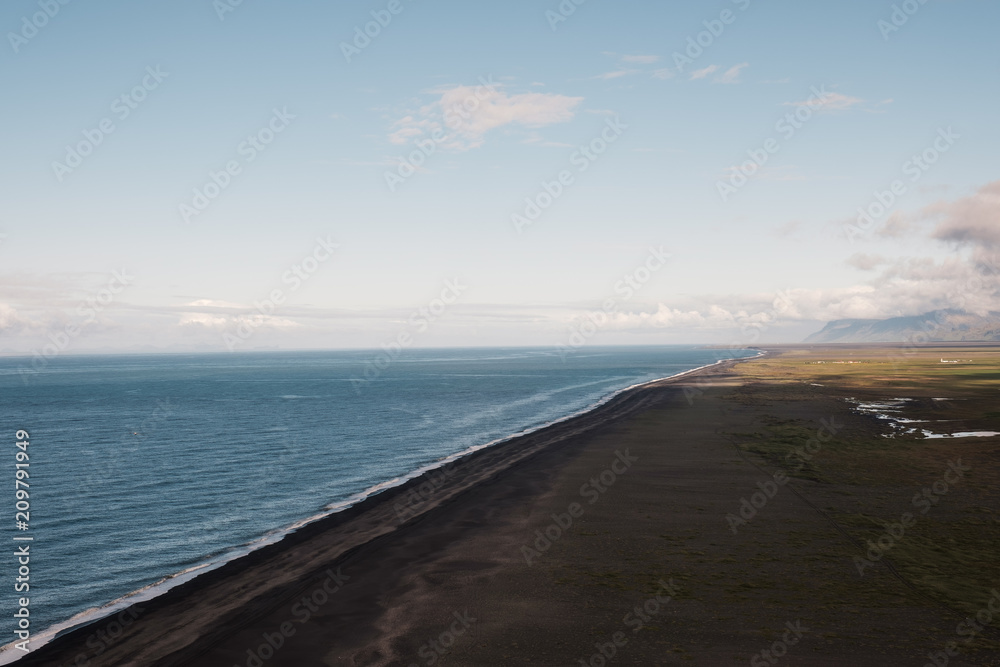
(702, 73)
(225, 315)
(463, 115)
(866, 262)
(838, 102)
(641, 60)
(905, 286)
(203, 319)
(966, 279)
(879, 107)
(667, 317)
(616, 74)
(408, 130)
(732, 75)
(827, 102)
(971, 221)
(789, 228)
(919, 285)
(896, 226)
(635, 59)
(12, 322)
(624, 60)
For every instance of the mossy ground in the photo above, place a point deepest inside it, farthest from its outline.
(868, 474)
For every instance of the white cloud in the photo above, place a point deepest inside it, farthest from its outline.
(905, 286)
(665, 317)
(616, 74)
(911, 287)
(641, 60)
(203, 319)
(702, 73)
(625, 60)
(408, 130)
(11, 321)
(828, 102)
(732, 75)
(866, 262)
(972, 221)
(896, 226)
(463, 115)
(223, 315)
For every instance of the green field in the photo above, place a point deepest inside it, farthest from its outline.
(874, 472)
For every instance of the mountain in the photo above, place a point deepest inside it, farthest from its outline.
(938, 325)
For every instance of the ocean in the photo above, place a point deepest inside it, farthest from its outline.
(146, 470)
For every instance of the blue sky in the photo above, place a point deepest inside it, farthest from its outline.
(200, 281)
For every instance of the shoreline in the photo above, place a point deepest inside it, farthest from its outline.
(239, 559)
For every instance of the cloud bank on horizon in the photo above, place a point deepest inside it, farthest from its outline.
(797, 164)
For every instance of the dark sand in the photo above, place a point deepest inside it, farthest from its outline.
(451, 585)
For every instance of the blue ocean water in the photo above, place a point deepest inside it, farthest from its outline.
(146, 466)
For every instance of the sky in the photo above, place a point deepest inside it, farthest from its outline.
(213, 176)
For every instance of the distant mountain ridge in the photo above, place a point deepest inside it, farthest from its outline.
(937, 326)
